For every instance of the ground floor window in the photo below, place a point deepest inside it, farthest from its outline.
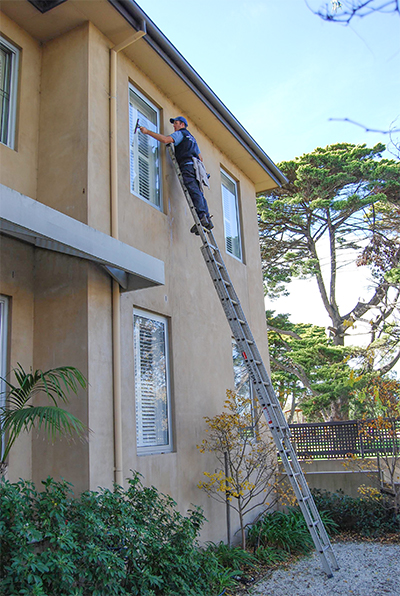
(152, 385)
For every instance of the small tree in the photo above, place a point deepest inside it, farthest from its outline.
(20, 414)
(379, 405)
(246, 454)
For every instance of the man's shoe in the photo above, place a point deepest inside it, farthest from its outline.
(205, 222)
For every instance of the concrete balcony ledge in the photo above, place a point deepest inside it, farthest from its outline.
(30, 221)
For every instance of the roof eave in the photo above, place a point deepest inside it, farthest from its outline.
(139, 20)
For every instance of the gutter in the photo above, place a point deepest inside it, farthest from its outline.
(138, 19)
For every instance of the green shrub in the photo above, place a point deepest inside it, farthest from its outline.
(108, 542)
(286, 531)
(231, 557)
(365, 516)
(268, 555)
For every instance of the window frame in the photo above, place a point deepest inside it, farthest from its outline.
(237, 221)
(157, 202)
(14, 53)
(154, 448)
(4, 325)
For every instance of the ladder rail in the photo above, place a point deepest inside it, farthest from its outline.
(262, 385)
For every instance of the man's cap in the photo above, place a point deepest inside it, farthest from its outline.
(180, 118)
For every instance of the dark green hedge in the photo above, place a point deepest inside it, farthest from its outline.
(365, 516)
(103, 543)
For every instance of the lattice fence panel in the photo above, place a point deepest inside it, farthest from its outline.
(337, 439)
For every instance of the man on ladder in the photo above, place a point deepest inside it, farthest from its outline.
(186, 152)
(242, 333)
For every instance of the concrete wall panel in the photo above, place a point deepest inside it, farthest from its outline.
(18, 166)
(63, 137)
(17, 283)
(60, 339)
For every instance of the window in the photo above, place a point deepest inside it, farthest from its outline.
(243, 387)
(233, 243)
(153, 409)
(8, 91)
(144, 150)
(3, 353)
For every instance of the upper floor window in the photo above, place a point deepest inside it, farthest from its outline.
(233, 243)
(144, 150)
(9, 56)
(152, 387)
(3, 355)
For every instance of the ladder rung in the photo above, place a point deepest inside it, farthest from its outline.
(324, 548)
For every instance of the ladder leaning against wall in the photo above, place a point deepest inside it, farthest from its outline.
(261, 384)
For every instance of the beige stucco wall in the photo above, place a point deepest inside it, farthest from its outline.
(61, 338)
(63, 133)
(71, 299)
(18, 167)
(17, 283)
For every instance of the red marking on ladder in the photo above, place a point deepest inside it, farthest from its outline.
(244, 355)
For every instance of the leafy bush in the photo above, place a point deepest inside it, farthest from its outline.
(268, 555)
(287, 531)
(231, 557)
(108, 542)
(366, 516)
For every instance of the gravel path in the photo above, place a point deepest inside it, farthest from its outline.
(366, 569)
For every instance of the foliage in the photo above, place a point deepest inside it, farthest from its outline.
(232, 557)
(270, 556)
(116, 542)
(246, 455)
(287, 531)
(377, 404)
(19, 414)
(364, 515)
(377, 398)
(339, 199)
(310, 371)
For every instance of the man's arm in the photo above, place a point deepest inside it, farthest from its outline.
(156, 135)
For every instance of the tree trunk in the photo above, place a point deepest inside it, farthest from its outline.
(241, 521)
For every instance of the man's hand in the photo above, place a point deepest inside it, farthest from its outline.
(156, 135)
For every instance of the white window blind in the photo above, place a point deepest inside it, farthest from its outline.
(9, 56)
(153, 426)
(3, 354)
(144, 150)
(231, 216)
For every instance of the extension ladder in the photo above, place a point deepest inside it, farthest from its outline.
(261, 384)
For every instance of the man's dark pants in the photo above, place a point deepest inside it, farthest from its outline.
(192, 184)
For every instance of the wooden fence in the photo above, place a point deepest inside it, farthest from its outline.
(330, 440)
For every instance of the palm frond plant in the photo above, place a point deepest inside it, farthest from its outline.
(18, 413)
